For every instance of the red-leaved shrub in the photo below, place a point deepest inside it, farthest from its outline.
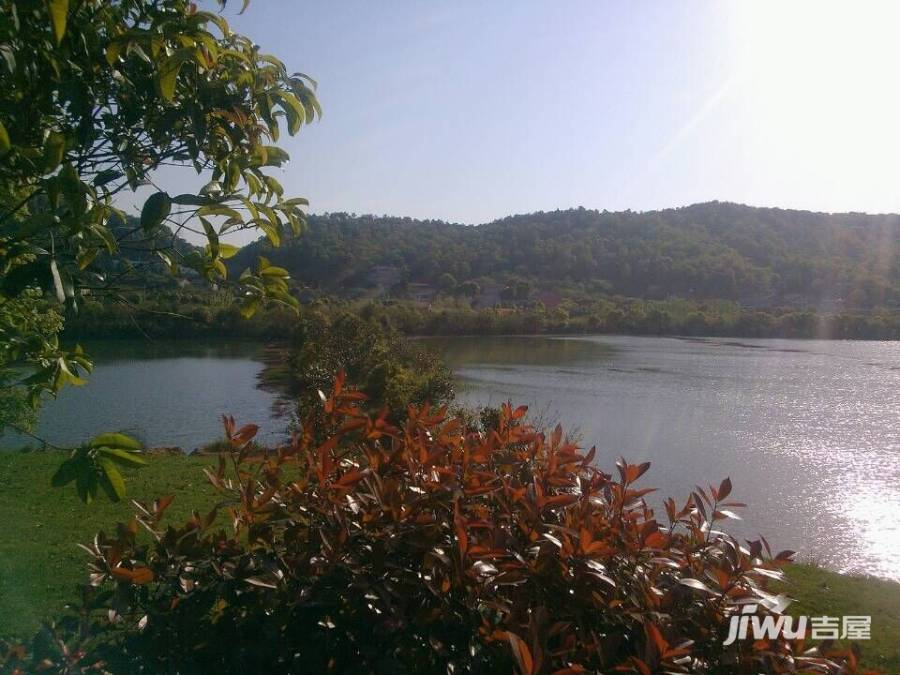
(431, 548)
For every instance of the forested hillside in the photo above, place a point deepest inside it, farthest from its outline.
(759, 257)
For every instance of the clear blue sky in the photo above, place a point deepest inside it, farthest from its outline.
(470, 111)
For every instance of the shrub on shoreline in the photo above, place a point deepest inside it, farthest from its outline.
(427, 548)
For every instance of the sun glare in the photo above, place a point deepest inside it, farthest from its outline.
(820, 80)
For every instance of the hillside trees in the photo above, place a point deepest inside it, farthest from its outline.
(757, 257)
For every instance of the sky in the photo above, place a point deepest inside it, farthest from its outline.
(470, 111)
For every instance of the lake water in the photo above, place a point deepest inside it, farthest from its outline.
(808, 431)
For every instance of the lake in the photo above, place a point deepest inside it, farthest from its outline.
(166, 393)
(808, 431)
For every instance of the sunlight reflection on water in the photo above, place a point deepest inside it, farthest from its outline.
(809, 431)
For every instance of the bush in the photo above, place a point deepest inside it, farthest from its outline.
(389, 369)
(426, 548)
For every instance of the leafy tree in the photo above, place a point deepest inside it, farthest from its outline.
(469, 289)
(97, 96)
(447, 282)
(22, 321)
(389, 369)
(760, 257)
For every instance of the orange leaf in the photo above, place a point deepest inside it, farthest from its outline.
(522, 654)
(351, 478)
(140, 575)
(244, 434)
(161, 504)
(657, 637)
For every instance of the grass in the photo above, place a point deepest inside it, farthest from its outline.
(40, 566)
(819, 592)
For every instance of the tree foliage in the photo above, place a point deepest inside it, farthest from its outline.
(393, 372)
(632, 316)
(96, 97)
(759, 257)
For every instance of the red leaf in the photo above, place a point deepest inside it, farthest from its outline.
(244, 434)
(140, 575)
(724, 488)
(351, 478)
(459, 524)
(161, 504)
(657, 637)
(522, 654)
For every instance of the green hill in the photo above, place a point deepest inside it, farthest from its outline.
(758, 257)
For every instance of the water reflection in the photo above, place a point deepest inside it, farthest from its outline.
(519, 351)
(175, 400)
(809, 431)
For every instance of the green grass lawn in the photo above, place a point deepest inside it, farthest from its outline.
(40, 566)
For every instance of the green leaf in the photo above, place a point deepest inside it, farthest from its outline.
(106, 176)
(66, 473)
(54, 149)
(57, 282)
(156, 210)
(275, 156)
(5, 144)
(227, 251)
(66, 374)
(113, 51)
(218, 210)
(115, 484)
(115, 441)
(248, 309)
(273, 185)
(85, 258)
(9, 57)
(294, 111)
(169, 261)
(190, 200)
(86, 482)
(59, 10)
(272, 271)
(270, 231)
(168, 74)
(212, 236)
(211, 188)
(233, 175)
